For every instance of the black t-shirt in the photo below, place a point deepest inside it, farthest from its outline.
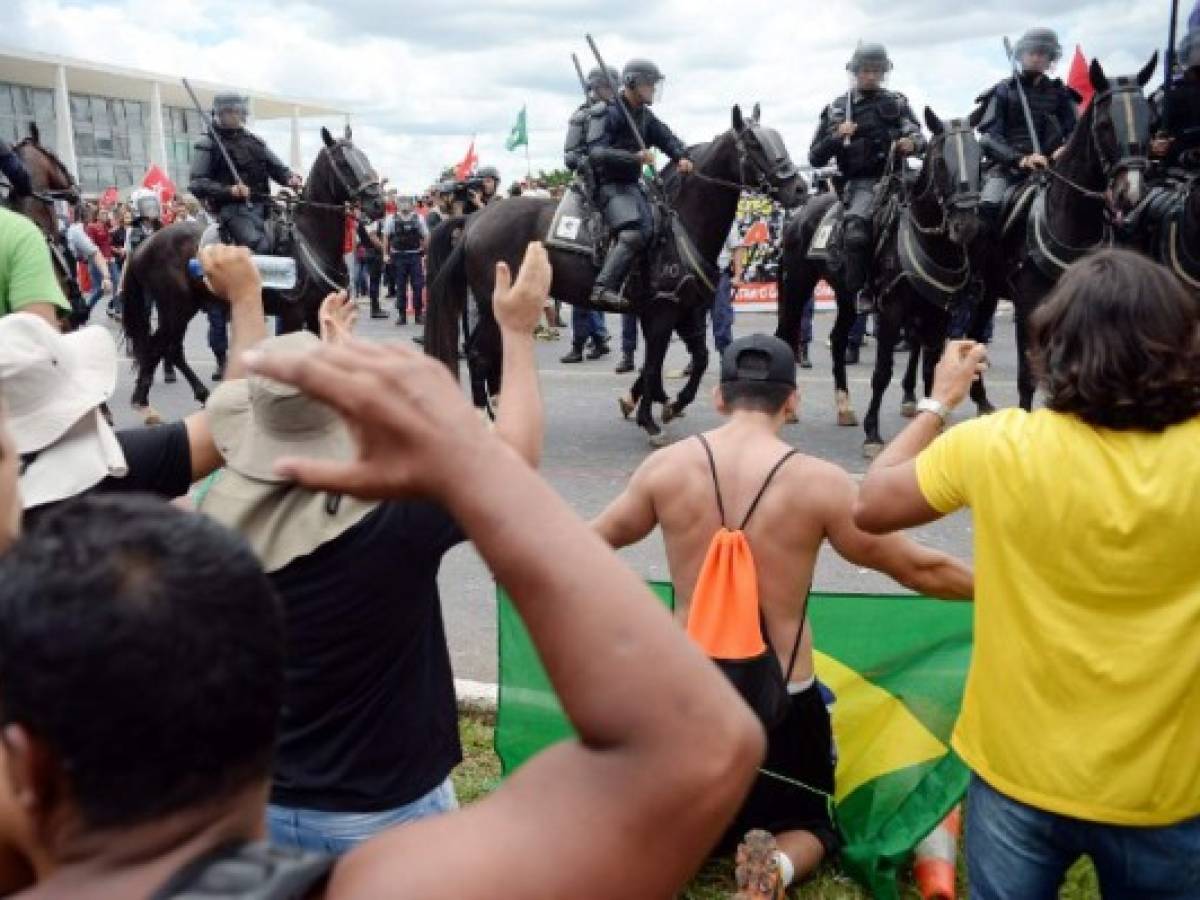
(369, 719)
(159, 460)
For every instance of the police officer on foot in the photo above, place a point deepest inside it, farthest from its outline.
(859, 129)
(240, 208)
(407, 238)
(616, 159)
(1005, 130)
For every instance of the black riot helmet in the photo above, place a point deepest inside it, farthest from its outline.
(643, 73)
(1039, 40)
(1188, 56)
(869, 56)
(488, 172)
(229, 110)
(599, 86)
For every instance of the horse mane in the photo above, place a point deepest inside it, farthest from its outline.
(698, 154)
(28, 141)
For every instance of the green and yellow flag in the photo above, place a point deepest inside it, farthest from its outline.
(519, 135)
(895, 665)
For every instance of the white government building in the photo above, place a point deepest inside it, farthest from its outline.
(109, 124)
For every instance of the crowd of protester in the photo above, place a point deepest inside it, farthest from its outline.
(250, 685)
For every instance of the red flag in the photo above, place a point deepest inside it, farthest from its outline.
(159, 182)
(1079, 79)
(109, 198)
(467, 166)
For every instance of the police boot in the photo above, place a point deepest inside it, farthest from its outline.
(219, 373)
(852, 354)
(599, 349)
(802, 357)
(626, 364)
(377, 310)
(575, 356)
(621, 257)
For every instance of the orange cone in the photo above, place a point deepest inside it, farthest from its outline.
(933, 867)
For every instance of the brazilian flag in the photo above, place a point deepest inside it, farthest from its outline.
(896, 666)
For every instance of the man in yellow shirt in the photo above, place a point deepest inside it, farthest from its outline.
(1081, 717)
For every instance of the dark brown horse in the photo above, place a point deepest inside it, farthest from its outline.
(51, 182)
(920, 265)
(1098, 178)
(156, 277)
(748, 156)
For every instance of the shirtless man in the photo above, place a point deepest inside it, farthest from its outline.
(808, 501)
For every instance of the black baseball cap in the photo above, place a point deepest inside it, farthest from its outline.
(758, 357)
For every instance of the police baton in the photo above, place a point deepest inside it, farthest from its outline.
(212, 133)
(617, 98)
(1015, 63)
(587, 97)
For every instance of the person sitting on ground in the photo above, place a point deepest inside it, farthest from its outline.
(27, 280)
(788, 505)
(1081, 716)
(369, 728)
(113, 605)
(56, 384)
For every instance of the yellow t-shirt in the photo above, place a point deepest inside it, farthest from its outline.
(1083, 696)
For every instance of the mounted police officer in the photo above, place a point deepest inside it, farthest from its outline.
(859, 130)
(595, 107)
(1176, 124)
(616, 159)
(1005, 131)
(241, 208)
(13, 168)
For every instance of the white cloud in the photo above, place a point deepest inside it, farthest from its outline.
(421, 78)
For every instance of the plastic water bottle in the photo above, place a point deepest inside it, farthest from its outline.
(276, 272)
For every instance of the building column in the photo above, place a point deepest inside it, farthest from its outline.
(158, 134)
(294, 162)
(65, 125)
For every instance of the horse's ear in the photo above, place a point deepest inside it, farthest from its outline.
(977, 115)
(1143, 77)
(327, 137)
(934, 123)
(34, 134)
(349, 133)
(1097, 77)
(757, 112)
(739, 124)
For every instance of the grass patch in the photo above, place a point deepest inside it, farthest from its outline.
(479, 774)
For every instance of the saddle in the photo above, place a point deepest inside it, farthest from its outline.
(1050, 255)
(826, 244)
(672, 268)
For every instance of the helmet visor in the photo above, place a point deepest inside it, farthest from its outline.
(1037, 53)
(869, 76)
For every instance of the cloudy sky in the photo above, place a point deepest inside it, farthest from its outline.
(421, 78)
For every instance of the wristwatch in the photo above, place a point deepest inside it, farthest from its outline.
(937, 407)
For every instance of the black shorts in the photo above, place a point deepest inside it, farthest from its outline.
(799, 748)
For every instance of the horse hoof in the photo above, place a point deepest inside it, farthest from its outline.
(845, 412)
(985, 408)
(660, 440)
(908, 409)
(872, 449)
(626, 406)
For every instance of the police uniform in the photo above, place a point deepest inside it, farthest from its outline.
(407, 232)
(13, 168)
(1177, 114)
(212, 181)
(616, 166)
(883, 117)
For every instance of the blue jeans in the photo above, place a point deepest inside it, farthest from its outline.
(339, 832)
(1015, 850)
(98, 282)
(629, 333)
(722, 313)
(587, 323)
(858, 331)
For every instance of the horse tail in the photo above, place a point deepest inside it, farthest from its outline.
(135, 316)
(441, 245)
(447, 296)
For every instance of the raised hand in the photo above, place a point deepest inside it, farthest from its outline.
(518, 306)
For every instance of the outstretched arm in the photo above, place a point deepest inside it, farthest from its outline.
(665, 750)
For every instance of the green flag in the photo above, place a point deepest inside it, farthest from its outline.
(519, 135)
(896, 667)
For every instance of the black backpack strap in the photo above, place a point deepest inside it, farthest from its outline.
(712, 465)
(762, 624)
(763, 489)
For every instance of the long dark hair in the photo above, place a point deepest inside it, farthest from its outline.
(1117, 343)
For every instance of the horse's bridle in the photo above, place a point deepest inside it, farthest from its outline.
(359, 168)
(954, 140)
(763, 171)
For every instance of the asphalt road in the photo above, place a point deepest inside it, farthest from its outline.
(590, 452)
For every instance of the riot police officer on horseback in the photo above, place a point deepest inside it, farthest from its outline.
(862, 129)
(239, 199)
(1013, 152)
(1176, 143)
(615, 156)
(594, 109)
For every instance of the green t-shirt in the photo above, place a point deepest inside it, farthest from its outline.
(26, 270)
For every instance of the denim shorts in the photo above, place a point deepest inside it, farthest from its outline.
(339, 832)
(1018, 851)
